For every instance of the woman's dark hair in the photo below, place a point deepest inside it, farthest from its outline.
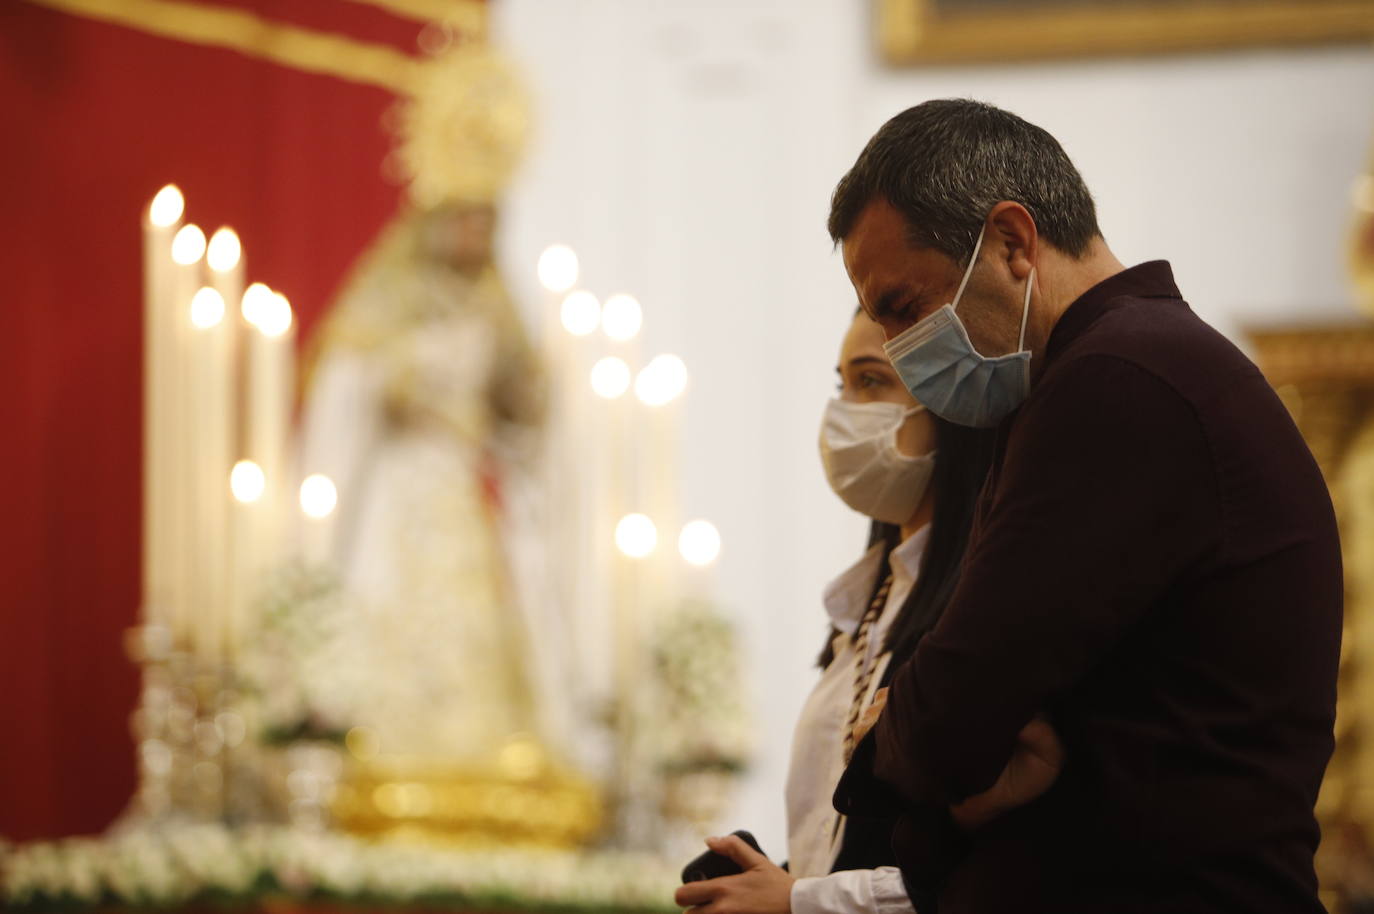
(963, 456)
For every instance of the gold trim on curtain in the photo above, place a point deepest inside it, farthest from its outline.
(247, 33)
(469, 16)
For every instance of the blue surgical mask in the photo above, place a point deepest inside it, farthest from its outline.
(936, 360)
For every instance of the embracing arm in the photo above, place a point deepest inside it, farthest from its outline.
(1107, 494)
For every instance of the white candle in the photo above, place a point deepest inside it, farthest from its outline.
(269, 395)
(224, 256)
(247, 486)
(188, 253)
(659, 388)
(211, 417)
(160, 224)
(699, 545)
(318, 498)
(580, 513)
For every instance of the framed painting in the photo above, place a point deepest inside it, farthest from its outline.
(916, 32)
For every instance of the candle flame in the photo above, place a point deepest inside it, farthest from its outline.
(580, 313)
(274, 318)
(699, 542)
(318, 496)
(247, 481)
(610, 377)
(225, 251)
(167, 207)
(207, 308)
(661, 381)
(189, 245)
(557, 268)
(636, 536)
(621, 317)
(255, 298)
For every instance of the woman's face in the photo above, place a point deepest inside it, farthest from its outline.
(866, 376)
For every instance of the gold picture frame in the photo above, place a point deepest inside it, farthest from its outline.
(920, 32)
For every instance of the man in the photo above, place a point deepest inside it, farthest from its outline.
(1154, 575)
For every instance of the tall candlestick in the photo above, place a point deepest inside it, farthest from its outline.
(188, 253)
(160, 224)
(224, 256)
(659, 387)
(318, 498)
(211, 414)
(699, 545)
(580, 511)
(269, 395)
(247, 484)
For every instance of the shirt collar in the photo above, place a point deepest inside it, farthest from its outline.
(846, 598)
(1154, 279)
(905, 560)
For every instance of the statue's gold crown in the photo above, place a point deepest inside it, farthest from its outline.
(461, 133)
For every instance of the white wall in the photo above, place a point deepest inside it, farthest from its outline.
(687, 150)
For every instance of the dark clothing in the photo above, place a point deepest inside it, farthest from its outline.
(1155, 565)
(867, 840)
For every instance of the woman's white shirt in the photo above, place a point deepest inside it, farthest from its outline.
(814, 828)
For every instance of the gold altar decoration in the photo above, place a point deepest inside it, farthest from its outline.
(1362, 241)
(523, 800)
(462, 131)
(1325, 376)
(914, 32)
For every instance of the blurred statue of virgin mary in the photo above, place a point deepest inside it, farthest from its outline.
(424, 396)
(424, 399)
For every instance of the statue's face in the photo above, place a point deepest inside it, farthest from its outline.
(459, 235)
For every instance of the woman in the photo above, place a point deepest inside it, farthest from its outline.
(917, 477)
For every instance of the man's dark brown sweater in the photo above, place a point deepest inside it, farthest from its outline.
(1155, 566)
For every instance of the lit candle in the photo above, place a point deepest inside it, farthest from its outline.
(224, 256)
(212, 412)
(247, 485)
(160, 224)
(581, 512)
(318, 499)
(699, 546)
(188, 254)
(269, 394)
(659, 387)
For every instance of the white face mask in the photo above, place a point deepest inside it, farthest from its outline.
(863, 465)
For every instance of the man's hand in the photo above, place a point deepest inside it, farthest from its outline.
(762, 888)
(1032, 770)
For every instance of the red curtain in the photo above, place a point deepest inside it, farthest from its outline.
(96, 118)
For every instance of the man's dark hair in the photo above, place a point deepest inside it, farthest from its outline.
(946, 163)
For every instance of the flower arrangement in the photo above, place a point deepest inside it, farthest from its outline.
(699, 723)
(302, 673)
(194, 864)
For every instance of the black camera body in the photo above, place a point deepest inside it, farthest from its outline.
(712, 865)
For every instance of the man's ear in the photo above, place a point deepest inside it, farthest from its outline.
(1012, 225)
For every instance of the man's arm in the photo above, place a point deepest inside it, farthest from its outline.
(1107, 494)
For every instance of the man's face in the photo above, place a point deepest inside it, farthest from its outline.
(899, 283)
